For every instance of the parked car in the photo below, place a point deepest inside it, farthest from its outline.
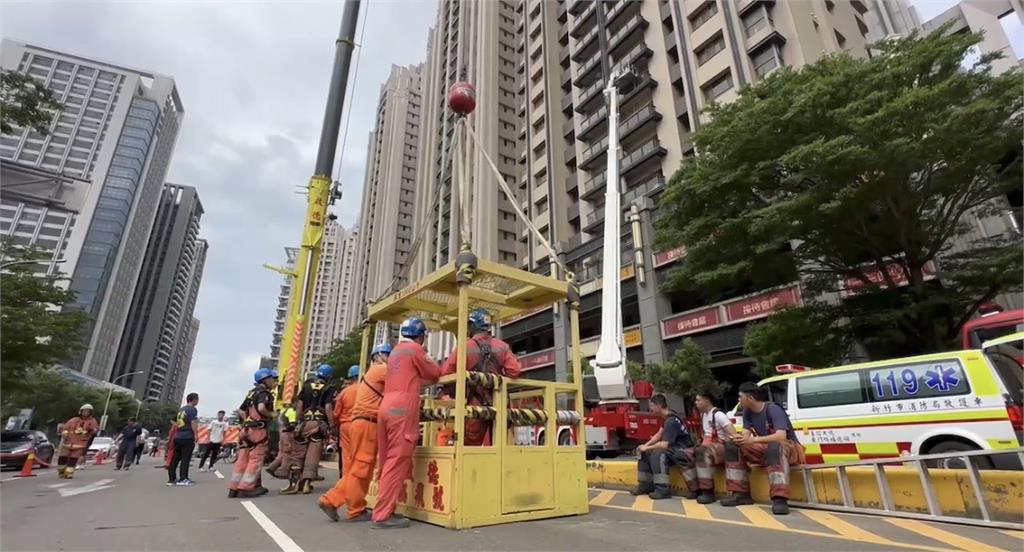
(15, 446)
(106, 444)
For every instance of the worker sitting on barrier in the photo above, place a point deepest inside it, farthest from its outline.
(699, 467)
(486, 354)
(767, 439)
(665, 448)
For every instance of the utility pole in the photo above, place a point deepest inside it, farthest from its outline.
(321, 193)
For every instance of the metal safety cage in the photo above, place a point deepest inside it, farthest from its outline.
(459, 486)
(969, 495)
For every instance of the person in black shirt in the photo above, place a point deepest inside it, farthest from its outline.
(663, 450)
(315, 400)
(129, 440)
(767, 439)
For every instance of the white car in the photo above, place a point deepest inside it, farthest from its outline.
(106, 444)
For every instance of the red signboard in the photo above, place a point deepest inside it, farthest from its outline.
(853, 284)
(760, 306)
(537, 360)
(691, 322)
(662, 258)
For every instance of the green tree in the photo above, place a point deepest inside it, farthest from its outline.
(795, 336)
(863, 170)
(344, 353)
(26, 103)
(687, 372)
(156, 416)
(33, 330)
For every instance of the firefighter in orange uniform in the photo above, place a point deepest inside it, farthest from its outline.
(75, 435)
(360, 442)
(343, 414)
(256, 409)
(398, 419)
(483, 354)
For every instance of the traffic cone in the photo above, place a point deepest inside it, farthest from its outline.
(99, 458)
(26, 468)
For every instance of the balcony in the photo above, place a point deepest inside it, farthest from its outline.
(560, 11)
(745, 5)
(584, 21)
(563, 55)
(574, 6)
(568, 129)
(593, 153)
(619, 9)
(594, 185)
(567, 103)
(633, 57)
(570, 156)
(638, 156)
(646, 188)
(574, 211)
(570, 182)
(583, 45)
(586, 71)
(594, 220)
(638, 119)
(588, 95)
(593, 122)
(619, 38)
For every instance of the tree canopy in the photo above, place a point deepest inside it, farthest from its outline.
(687, 372)
(856, 173)
(344, 353)
(25, 103)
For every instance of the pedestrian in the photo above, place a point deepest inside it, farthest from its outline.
(699, 467)
(286, 423)
(767, 439)
(255, 411)
(217, 429)
(75, 436)
(343, 413)
(129, 440)
(184, 442)
(664, 449)
(360, 438)
(398, 419)
(140, 446)
(314, 402)
(487, 354)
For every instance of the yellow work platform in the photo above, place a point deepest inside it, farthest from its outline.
(460, 486)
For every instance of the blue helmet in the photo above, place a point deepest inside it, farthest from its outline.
(480, 319)
(264, 373)
(412, 327)
(324, 371)
(353, 371)
(383, 348)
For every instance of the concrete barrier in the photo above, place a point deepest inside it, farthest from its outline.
(1003, 490)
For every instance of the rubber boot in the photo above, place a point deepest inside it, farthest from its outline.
(780, 506)
(70, 473)
(306, 486)
(660, 494)
(641, 490)
(737, 499)
(331, 511)
(393, 522)
(249, 494)
(706, 497)
(232, 493)
(293, 483)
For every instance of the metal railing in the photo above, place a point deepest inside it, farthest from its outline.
(920, 463)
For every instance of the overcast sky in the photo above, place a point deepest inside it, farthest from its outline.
(253, 79)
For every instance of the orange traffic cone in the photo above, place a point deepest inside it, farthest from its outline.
(99, 458)
(26, 468)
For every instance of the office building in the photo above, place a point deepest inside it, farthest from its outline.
(158, 337)
(323, 319)
(389, 190)
(117, 131)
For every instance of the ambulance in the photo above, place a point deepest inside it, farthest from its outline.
(929, 404)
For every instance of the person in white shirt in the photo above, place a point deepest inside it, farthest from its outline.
(711, 452)
(217, 429)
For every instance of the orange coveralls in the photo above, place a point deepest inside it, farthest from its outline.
(504, 363)
(360, 450)
(252, 442)
(398, 421)
(343, 417)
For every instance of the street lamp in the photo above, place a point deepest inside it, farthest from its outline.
(103, 419)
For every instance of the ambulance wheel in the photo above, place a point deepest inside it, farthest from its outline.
(984, 463)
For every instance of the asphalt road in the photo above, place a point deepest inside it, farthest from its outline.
(134, 510)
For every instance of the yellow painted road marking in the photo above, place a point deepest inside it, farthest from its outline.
(844, 528)
(643, 503)
(696, 510)
(943, 536)
(759, 517)
(1018, 534)
(602, 498)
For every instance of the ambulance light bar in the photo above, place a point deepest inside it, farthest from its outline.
(791, 368)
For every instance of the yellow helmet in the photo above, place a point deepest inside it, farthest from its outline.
(85, 406)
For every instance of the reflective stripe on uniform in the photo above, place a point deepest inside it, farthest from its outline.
(736, 474)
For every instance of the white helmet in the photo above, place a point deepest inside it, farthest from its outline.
(85, 406)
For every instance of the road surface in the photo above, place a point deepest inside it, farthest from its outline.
(103, 509)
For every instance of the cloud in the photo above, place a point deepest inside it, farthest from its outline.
(253, 79)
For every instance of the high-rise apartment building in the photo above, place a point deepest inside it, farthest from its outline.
(351, 313)
(477, 41)
(890, 18)
(283, 302)
(117, 131)
(183, 365)
(389, 189)
(158, 337)
(323, 319)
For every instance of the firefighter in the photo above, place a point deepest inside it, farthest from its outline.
(286, 422)
(315, 400)
(767, 439)
(398, 418)
(664, 449)
(484, 353)
(699, 465)
(255, 411)
(360, 442)
(75, 435)
(343, 413)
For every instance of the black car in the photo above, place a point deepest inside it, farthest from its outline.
(15, 445)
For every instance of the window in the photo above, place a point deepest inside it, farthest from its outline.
(932, 379)
(765, 61)
(755, 21)
(705, 13)
(719, 86)
(779, 392)
(709, 49)
(830, 390)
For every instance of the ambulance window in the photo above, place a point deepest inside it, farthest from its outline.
(779, 392)
(1010, 372)
(830, 390)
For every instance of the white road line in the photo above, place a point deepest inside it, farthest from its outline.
(217, 473)
(280, 537)
(58, 485)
